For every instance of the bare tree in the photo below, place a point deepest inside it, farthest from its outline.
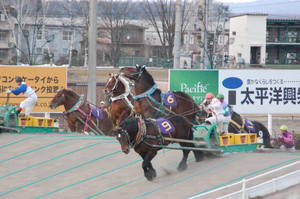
(114, 17)
(27, 13)
(216, 31)
(161, 15)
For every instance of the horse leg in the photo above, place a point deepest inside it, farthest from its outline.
(198, 154)
(183, 165)
(149, 171)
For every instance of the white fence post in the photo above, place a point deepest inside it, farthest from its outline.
(270, 123)
(244, 189)
(47, 115)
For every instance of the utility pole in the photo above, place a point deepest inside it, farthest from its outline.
(177, 38)
(205, 39)
(91, 94)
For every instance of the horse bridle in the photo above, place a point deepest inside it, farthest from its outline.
(139, 73)
(114, 87)
(123, 131)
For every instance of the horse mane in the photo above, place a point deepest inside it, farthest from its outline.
(130, 124)
(70, 92)
(148, 76)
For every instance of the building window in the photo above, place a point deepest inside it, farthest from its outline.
(292, 36)
(233, 33)
(65, 51)
(3, 35)
(3, 53)
(39, 35)
(38, 51)
(67, 35)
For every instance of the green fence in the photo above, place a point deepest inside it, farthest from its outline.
(151, 62)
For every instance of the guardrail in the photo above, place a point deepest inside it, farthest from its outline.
(278, 183)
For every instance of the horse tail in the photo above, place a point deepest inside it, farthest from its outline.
(266, 135)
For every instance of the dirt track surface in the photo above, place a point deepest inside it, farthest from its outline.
(75, 166)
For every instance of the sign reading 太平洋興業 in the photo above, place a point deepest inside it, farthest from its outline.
(195, 83)
(261, 91)
(44, 80)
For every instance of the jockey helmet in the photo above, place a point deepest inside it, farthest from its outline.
(209, 96)
(19, 79)
(220, 96)
(283, 127)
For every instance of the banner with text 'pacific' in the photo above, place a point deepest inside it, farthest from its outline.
(195, 83)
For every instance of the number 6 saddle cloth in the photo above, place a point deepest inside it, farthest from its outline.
(169, 99)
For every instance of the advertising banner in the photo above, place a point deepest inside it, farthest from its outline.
(195, 83)
(261, 91)
(44, 80)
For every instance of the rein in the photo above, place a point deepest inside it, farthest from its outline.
(87, 116)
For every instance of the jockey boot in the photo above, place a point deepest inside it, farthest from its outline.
(18, 111)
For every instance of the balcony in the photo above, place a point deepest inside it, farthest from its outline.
(4, 44)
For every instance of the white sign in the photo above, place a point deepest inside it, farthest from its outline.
(261, 91)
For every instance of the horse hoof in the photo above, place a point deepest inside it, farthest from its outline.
(153, 173)
(150, 175)
(182, 167)
(198, 156)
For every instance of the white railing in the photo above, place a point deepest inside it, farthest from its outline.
(277, 184)
(268, 187)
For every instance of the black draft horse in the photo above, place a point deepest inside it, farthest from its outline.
(239, 125)
(142, 134)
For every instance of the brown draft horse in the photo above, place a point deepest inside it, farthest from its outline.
(118, 94)
(144, 84)
(141, 134)
(81, 115)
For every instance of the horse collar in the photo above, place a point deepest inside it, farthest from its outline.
(148, 93)
(76, 106)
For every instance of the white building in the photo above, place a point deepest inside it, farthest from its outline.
(248, 38)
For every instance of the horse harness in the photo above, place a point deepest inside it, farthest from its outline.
(87, 116)
(141, 135)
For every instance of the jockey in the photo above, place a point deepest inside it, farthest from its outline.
(225, 106)
(208, 98)
(31, 98)
(218, 115)
(285, 139)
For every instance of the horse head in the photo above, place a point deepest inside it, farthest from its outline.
(58, 99)
(65, 97)
(123, 138)
(125, 133)
(111, 84)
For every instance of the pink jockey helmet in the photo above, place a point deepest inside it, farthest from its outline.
(209, 96)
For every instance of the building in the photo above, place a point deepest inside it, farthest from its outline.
(53, 40)
(7, 27)
(261, 39)
(283, 40)
(248, 38)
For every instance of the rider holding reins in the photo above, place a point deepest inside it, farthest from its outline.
(219, 110)
(31, 97)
